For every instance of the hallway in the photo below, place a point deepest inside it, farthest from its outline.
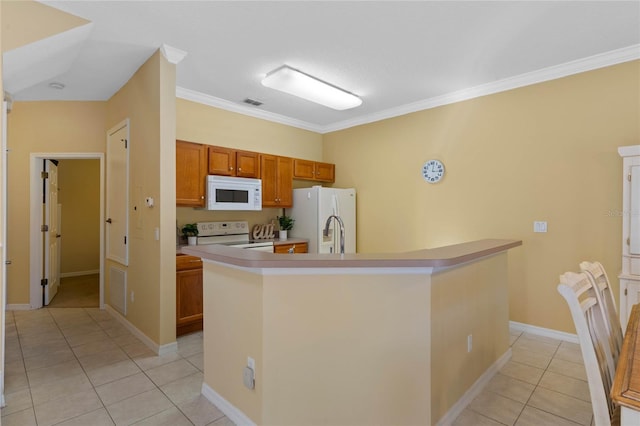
(80, 366)
(81, 291)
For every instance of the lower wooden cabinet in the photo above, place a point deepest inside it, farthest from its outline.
(189, 310)
(290, 248)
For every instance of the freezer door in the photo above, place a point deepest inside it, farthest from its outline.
(339, 202)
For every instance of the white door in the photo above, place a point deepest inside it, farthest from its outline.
(118, 194)
(3, 239)
(51, 266)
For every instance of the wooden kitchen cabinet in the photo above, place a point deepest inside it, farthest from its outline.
(189, 310)
(191, 174)
(277, 180)
(285, 248)
(313, 170)
(231, 162)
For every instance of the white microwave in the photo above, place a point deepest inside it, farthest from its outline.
(233, 193)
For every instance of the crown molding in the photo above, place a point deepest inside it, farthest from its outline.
(194, 96)
(546, 74)
(590, 63)
(171, 54)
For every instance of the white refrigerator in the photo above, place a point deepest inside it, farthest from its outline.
(311, 209)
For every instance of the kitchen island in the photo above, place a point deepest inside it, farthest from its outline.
(397, 338)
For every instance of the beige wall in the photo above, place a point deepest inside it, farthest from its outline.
(26, 21)
(543, 152)
(213, 126)
(469, 300)
(59, 127)
(151, 271)
(79, 196)
(325, 347)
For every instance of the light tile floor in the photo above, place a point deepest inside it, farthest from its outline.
(544, 383)
(80, 366)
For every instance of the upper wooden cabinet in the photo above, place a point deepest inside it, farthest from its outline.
(231, 162)
(313, 170)
(191, 174)
(277, 180)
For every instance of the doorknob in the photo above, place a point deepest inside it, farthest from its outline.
(108, 220)
(58, 236)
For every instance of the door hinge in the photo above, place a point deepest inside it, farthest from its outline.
(125, 239)
(126, 143)
(44, 228)
(629, 177)
(44, 282)
(625, 291)
(44, 175)
(629, 241)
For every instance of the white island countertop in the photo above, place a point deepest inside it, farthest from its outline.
(438, 257)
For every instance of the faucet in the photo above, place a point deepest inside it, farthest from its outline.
(341, 223)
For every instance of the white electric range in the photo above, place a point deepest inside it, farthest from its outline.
(234, 233)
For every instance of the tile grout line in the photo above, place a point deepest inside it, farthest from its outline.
(81, 366)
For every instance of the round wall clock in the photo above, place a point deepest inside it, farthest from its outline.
(433, 171)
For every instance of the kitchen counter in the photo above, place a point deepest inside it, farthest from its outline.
(353, 339)
(447, 256)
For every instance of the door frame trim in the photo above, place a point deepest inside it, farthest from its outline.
(35, 212)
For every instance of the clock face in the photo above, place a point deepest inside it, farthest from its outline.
(433, 171)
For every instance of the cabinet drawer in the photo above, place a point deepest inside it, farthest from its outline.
(184, 263)
(284, 248)
(631, 265)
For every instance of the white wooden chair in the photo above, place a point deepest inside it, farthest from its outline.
(593, 334)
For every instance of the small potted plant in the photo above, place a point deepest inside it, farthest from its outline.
(190, 230)
(286, 224)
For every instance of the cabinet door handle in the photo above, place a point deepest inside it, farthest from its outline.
(239, 169)
(202, 197)
(230, 168)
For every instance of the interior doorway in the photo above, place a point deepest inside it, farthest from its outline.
(82, 174)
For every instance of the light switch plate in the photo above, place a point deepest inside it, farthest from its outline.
(539, 226)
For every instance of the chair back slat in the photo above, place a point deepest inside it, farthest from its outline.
(600, 280)
(593, 333)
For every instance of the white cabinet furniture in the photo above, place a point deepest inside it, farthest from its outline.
(630, 275)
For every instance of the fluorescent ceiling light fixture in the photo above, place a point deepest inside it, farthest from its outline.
(297, 83)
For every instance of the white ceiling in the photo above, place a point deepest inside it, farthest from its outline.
(397, 56)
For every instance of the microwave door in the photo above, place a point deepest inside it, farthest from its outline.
(234, 196)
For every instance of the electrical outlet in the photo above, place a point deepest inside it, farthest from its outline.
(251, 363)
(469, 343)
(539, 226)
(248, 378)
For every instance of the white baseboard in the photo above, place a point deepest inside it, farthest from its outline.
(78, 273)
(229, 410)
(158, 349)
(19, 307)
(474, 390)
(545, 332)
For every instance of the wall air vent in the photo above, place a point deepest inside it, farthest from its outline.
(252, 102)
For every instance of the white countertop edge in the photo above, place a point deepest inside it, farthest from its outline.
(329, 271)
